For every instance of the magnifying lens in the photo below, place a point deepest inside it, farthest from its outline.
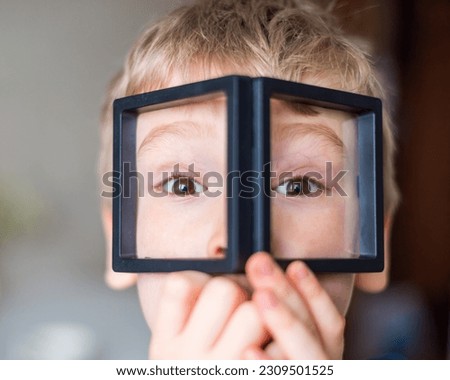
(206, 174)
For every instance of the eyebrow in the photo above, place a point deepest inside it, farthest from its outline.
(188, 130)
(292, 131)
(181, 129)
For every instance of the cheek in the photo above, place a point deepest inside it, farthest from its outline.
(304, 231)
(149, 289)
(169, 229)
(340, 289)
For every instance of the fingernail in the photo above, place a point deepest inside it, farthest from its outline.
(267, 300)
(265, 267)
(300, 271)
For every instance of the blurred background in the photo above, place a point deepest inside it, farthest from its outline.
(56, 58)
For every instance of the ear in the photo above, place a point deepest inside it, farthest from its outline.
(113, 279)
(376, 282)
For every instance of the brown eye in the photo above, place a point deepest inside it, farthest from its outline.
(298, 187)
(183, 186)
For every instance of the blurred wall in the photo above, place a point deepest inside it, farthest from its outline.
(56, 57)
(421, 240)
(411, 42)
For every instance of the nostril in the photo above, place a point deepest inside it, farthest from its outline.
(220, 252)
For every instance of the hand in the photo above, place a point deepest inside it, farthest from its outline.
(204, 317)
(298, 313)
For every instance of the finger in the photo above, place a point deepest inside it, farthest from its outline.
(216, 302)
(244, 329)
(264, 273)
(180, 291)
(294, 338)
(330, 322)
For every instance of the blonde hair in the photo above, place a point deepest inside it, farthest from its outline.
(286, 39)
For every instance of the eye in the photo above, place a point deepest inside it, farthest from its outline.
(183, 186)
(301, 186)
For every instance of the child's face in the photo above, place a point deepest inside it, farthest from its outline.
(184, 149)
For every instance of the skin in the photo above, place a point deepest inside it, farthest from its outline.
(267, 313)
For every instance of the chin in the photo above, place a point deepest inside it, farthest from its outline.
(340, 289)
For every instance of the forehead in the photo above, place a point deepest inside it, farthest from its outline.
(207, 117)
(203, 118)
(209, 69)
(290, 113)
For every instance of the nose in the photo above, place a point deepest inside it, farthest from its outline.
(217, 244)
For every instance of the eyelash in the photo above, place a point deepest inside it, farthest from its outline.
(198, 187)
(305, 182)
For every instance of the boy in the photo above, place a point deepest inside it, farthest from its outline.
(265, 313)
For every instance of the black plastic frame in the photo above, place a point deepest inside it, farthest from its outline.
(248, 218)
